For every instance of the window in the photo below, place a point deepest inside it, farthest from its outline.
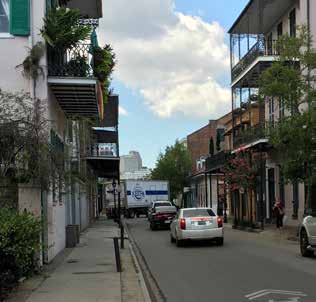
(198, 213)
(271, 112)
(280, 29)
(4, 16)
(269, 45)
(292, 19)
(162, 204)
(281, 109)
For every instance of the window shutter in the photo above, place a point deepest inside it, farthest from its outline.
(20, 17)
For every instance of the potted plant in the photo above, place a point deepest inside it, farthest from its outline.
(78, 66)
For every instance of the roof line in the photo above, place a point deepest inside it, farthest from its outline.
(240, 16)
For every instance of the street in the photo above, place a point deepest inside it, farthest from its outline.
(247, 268)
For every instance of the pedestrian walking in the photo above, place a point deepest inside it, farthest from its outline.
(278, 211)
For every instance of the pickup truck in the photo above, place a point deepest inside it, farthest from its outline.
(161, 214)
(307, 235)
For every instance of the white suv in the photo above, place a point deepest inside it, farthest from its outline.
(307, 234)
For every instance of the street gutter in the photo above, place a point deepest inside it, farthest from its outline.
(151, 289)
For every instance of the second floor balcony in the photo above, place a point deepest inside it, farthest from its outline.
(103, 153)
(250, 136)
(215, 162)
(264, 51)
(71, 79)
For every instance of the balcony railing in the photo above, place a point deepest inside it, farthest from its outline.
(74, 62)
(106, 150)
(264, 47)
(217, 161)
(250, 135)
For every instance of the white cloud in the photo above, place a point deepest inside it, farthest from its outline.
(174, 60)
(122, 111)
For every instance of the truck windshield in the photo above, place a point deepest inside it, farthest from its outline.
(198, 213)
(162, 204)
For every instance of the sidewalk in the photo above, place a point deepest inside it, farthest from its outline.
(288, 233)
(88, 273)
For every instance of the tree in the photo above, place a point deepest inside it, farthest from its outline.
(218, 141)
(173, 165)
(211, 146)
(26, 152)
(291, 81)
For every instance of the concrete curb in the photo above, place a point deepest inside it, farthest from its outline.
(152, 291)
(140, 276)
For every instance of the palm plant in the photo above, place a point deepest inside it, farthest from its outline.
(62, 28)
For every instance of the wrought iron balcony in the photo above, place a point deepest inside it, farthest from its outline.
(263, 48)
(103, 150)
(217, 161)
(250, 135)
(74, 62)
(104, 160)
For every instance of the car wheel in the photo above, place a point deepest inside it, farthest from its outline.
(304, 244)
(179, 243)
(153, 227)
(172, 240)
(220, 241)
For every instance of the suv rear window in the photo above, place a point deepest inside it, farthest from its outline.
(162, 204)
(198, 213)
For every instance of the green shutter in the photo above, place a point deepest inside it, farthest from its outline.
(20, 17)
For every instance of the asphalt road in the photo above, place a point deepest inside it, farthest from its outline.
(246, 264)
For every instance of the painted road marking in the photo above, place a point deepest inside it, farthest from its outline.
(295, 296)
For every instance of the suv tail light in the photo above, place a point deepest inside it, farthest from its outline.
(182, 224)
(219, 222)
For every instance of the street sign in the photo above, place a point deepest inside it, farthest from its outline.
(276, 295)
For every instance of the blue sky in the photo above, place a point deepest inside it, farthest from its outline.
(158, 101)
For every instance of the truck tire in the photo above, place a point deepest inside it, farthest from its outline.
(304, 244)
(131, 214)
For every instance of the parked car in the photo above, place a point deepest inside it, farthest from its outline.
(196, 224)
(307, 235)
(161, 214)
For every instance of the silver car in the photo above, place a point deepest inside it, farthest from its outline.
(307, 234)
(197, 224)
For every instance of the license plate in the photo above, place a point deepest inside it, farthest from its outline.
(167, 221)
(201, 222)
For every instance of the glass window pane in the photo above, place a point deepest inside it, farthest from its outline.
(4, 16)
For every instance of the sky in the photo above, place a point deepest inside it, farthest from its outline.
(173, 68)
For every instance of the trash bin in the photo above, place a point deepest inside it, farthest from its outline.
(72, 235)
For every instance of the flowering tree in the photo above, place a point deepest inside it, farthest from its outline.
(239, 172)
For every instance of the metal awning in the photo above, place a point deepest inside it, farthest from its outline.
(268, 11)
(76, 97)
(105, 167)
(105, 136)
(111, 112)
(89, 9)
(262, 141)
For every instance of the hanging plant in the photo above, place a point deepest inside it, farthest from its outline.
(62, 28)
(31, 64)
(103, 66)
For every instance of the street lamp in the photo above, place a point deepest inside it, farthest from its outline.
(115, 209)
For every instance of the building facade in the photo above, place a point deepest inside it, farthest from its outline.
(71, 98)
(253, 39)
